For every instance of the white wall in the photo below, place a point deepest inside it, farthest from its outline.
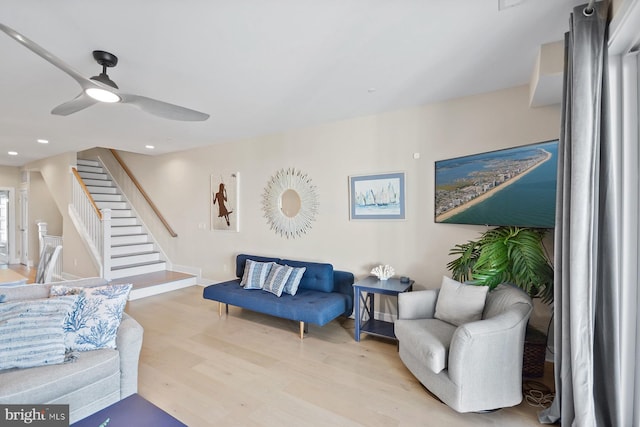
(179, 185)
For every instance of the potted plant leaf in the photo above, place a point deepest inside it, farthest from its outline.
(506, 254)
(514, 255)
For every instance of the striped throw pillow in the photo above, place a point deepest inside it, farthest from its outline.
(277, 279)
(31, 332)
(291, 287)
(255, 274)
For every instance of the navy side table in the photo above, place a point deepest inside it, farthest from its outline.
(130, 411)
(364, 292)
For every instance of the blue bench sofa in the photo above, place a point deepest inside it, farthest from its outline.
(323, 293)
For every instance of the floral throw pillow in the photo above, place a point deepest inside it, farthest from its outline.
(94, 322)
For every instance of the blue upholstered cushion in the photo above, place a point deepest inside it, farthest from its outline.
(96, 317)
(322, 295)
(306, 306)
(255, 274)
(31, 332)
(277, 279)
(317, 277)
(291, 287)
(241, 260)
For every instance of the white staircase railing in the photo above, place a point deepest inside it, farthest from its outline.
(93, 223)
(155, 224)
(46, 239)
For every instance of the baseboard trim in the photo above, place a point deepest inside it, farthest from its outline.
(162, 288)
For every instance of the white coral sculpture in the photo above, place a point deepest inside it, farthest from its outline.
(383, 272)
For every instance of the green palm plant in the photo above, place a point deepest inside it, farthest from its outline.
(468, 254)
(506, 254)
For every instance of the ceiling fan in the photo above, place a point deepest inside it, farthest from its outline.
(101, 88)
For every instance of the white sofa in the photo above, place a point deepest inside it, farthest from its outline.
(473, 367)
(95, 380)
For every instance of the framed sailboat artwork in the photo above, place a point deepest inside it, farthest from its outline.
(380, 196)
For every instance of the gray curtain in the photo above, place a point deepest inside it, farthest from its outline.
(596, 264)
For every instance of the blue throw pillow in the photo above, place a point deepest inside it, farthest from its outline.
(291, 287)
(255, 274)
(277, 279)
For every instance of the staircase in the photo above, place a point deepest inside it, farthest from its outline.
(132, 250)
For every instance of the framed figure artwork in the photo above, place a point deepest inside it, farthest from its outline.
(223, 199)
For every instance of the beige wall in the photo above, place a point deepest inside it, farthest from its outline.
(10, 178)
(56, 173)
(615, 6)
(42, 208)
(179, 184)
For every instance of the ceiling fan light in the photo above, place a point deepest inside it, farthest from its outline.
(102, 95)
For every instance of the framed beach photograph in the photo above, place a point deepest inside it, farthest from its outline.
(380, 196)
(513, 187)
(223, 199)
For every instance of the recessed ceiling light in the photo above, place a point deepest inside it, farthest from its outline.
(150, 147)
(43, 141)
(371, 89)
(12, 153)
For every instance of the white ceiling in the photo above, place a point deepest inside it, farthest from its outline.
(256, 66)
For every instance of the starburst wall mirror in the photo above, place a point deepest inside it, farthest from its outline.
(290, 202)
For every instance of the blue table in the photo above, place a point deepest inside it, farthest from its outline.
(364, 291)
(130, 411)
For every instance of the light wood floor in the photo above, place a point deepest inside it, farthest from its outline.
(152, 279)
(248, 369)
(29, 273)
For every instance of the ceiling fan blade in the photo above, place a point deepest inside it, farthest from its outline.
(80, 102)
(45, 54)
(163, 109)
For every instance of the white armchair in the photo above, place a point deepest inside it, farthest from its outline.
(476, 366)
